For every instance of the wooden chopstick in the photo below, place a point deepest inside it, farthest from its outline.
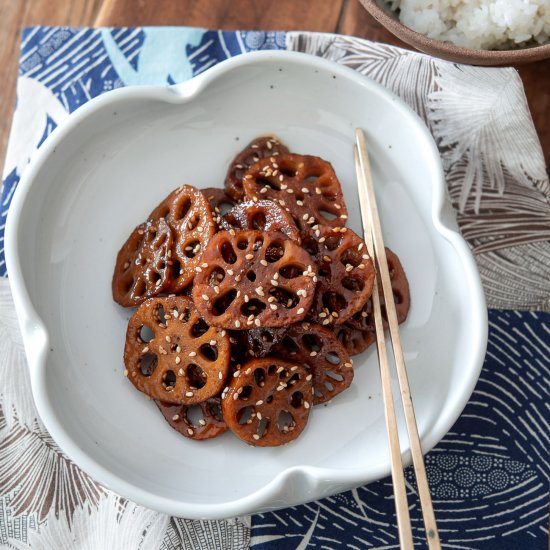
(396, 465)
(373, 232)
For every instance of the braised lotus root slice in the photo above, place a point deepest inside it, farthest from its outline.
(172, 355)
(346, 273)
(262, 216)
(189, 216)
(220, 202)
(317, 348)
(268, 403)
(354, 341)
(364, 319)
(259, 148)
(253, 279)
(201, 421)
(305, 186)
(142, 268)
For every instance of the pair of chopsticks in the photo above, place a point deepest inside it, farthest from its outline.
(375, 246)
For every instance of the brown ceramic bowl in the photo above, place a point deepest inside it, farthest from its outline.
(446, 50)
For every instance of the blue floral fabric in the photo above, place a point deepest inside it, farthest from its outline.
(489, 475)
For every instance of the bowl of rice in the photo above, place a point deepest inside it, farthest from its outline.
(478, 32)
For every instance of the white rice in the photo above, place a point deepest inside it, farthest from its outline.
(478, 24)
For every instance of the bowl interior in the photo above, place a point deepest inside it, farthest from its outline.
(108, 173)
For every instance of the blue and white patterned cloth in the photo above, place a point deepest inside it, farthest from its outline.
(490, 474)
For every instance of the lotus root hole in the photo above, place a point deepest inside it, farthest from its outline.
(285, 421)
(160, 314)
(259, 377)
(139, 288)
(296, 399)
(327, 215)
(252, 307)
(146, 334)
(154, 277)
(258, 221)
(334, 375)
(288, 172)
(311, 342)
(290, 345)
(291, 271)
(227, 252)
(242, 243)
(192, 249)
(258, 243)
(196, 377)
(244, 415)
(209, 352)
(286, 298)
(215, 411)
(266, 183)
(310, 245)
(182, 207)
(274, 251)
(199, 328)
(251, 276)
(245, 393)
(262, 427)
(169, 380)
(221, 304)
(397, 297)
(334, 301)
(148, 363)
(353, 284)
(194, 415)
(333, 358)
(351, 256)
(217, 275)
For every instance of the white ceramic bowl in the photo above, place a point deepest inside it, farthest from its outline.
(101, 173)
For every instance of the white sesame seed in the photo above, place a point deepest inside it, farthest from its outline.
(190, 431)
(309, 376)
(249, 256)
(306, 405)
(313, 354)
(263, 262)
(205, 297)
(300, 311)
(188, 394)
(145, 349)
(237, 323)
(178, 360)
(125, 372)
(273, 306)
(256, 437)
(192, 354)
(176, 417)
(257, 322)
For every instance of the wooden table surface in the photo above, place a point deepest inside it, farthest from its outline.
(341, 16)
